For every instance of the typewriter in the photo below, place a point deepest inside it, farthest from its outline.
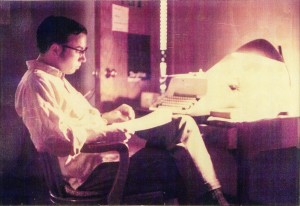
(182, 95)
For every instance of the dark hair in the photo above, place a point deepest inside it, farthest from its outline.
(56, 29)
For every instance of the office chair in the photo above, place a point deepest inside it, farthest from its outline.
(60, 192)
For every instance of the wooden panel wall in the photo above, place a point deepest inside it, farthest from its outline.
(202, 32)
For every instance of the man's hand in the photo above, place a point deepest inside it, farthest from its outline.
(121, 114)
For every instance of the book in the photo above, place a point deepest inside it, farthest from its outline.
(226, 113)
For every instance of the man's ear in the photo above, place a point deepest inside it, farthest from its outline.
(55, 49)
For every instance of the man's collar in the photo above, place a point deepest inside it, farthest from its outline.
(35, 64)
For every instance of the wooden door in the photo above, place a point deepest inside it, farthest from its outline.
(112, 84)
(113, 58)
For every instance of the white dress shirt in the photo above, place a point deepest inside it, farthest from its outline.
(59, 119)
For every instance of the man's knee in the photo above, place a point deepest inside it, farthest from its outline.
(185, 120)
(187, 124)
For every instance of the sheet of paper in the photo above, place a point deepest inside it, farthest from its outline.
(120, 18)
(154, 119)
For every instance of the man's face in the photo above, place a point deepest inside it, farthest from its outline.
(73, 53)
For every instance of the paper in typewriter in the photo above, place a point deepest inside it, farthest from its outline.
(151, 120)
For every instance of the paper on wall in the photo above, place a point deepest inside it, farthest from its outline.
(120, 18)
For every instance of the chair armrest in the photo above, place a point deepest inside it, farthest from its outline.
(116, 193)
(98, 147)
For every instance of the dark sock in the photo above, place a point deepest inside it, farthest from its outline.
(219, 197)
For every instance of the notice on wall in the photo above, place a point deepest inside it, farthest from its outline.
(120, 18)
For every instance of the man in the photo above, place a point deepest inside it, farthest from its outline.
(60, 120)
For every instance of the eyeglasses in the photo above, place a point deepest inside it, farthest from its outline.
(80, 51)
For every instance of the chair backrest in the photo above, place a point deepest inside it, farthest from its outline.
(61, 192)
(52, 174)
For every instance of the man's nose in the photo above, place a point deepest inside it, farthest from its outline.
(83, 58)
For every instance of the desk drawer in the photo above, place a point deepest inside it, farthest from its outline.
(225, 137)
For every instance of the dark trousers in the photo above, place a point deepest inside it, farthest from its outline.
(150, 169)
(161, 166)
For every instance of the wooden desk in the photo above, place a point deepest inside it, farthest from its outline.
(257, 162)
(266, 154)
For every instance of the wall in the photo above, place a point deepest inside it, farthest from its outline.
(212, 29)
(18, 39)
(200, 33)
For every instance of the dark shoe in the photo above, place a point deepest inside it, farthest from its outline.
(219, 197)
